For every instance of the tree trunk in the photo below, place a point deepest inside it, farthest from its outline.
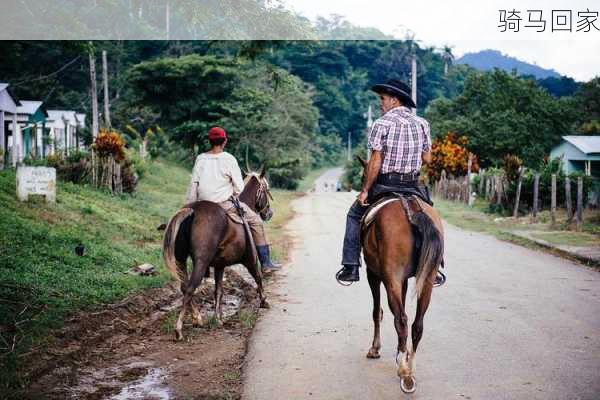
(105, 85)
(94, 96)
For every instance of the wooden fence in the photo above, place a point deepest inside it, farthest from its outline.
(493, 189)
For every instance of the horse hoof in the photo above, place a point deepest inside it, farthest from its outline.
(178, 336)
(408, 384)
(264, 304)
(373, 354)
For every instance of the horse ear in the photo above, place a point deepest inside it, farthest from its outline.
(362, 162)
(263, 170)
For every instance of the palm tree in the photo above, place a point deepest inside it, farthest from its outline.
(448, 58)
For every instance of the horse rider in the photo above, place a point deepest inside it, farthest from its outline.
(400, 143)
(217, 177)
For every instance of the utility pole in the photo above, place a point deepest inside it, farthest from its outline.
(94, 92)
(105, 85)
(369, 125)
(349, 147)
(414, 80)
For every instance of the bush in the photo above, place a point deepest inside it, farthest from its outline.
(449, 153)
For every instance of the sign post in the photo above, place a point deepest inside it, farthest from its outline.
(37, 181)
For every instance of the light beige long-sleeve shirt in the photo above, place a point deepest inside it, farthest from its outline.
(215, 177)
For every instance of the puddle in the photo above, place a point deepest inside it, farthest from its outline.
(150, 387)
(131, 381)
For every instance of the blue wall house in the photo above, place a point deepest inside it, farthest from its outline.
(581, 154)
(31, 116)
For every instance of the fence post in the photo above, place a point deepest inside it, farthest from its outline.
(481, 178)
(518, 196)
(536, 187)
(443, 185)
(579, 202)
(553, 201)
(568, 199)
(499, 190)
(469, 166)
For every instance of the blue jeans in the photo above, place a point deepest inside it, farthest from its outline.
(351, 250)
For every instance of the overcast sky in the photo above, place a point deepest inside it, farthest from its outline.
(472, 25)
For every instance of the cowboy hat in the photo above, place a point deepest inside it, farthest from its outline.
(396, 88)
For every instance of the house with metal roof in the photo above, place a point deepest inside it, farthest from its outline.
(64, 126)
(8, 123)
(31, 118)
(579, 154)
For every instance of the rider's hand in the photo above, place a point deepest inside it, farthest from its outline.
(362, 198)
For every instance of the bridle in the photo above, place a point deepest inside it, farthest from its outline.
(262, 194)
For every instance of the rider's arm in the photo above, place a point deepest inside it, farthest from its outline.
(373, 168)
(426, 157)
(192, 193)
(236, 178)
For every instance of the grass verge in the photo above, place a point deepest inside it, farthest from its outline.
(477, 219)
(42, 280)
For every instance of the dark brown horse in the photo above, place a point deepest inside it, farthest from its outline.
(391, 256)
(203, 231)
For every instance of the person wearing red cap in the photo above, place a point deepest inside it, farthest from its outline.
(217, 177)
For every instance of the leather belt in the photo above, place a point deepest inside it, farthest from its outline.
(397, 177)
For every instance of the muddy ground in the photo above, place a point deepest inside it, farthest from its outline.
(127, 350)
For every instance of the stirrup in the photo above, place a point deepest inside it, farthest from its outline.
(343, 283)
(442, 281)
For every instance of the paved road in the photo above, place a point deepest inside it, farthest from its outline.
(511, 323)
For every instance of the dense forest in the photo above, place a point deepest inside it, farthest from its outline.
(293, 104)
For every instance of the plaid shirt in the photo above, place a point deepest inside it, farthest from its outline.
(401, 137)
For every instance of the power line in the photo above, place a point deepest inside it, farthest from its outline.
(39, 78)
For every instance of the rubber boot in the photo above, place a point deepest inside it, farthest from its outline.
(264, 257)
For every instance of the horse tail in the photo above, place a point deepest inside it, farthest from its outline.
(169, 243)
(432, 249)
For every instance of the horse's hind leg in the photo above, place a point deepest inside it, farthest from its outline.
(254, 270)
(188, 292)
(417, 326)
(219, 294)
(395, 296)
(375, 284)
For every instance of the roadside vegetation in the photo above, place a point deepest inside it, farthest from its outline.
(480, 218)
(42, 279)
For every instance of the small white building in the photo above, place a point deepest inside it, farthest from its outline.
(9, 142)
(64, 128)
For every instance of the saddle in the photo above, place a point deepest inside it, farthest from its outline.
(410, 203)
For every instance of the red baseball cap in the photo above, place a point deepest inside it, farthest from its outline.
(216, 132)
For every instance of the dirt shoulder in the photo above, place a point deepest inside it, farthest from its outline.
(127, 351)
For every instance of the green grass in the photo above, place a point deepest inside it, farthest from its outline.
(247, 318)
(42, 280)
(569, 238)
(477, 219)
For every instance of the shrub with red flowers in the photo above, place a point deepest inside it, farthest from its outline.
(450, 153)
(110, 143)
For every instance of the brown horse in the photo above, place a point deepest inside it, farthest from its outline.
(203, 231)
(391, 256)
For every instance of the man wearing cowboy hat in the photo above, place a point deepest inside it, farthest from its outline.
(400, 143)
(217, 177)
